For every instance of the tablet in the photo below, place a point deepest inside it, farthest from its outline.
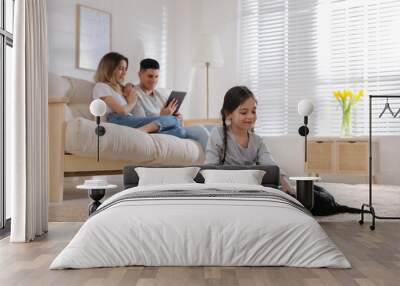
(179, 96)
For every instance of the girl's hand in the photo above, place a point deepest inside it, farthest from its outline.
(285, 185)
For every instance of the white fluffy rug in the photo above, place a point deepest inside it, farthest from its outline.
(385, 199)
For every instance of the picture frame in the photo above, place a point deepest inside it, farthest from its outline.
(94, 36)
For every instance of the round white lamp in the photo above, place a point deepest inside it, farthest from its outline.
(98, 108)
(305, 108)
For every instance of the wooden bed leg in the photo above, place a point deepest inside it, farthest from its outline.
(56, 148)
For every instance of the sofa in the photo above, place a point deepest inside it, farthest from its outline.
(73, 142)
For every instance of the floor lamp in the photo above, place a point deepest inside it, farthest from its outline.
(208, 53)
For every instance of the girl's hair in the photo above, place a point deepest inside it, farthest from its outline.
(234, 97)
(107, 65)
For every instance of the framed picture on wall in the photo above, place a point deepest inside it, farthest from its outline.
(94, 36)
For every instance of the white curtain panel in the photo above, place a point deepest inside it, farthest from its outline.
(27, 135)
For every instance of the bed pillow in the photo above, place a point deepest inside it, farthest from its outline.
(271, 177)
(249, 177)
(166, 176)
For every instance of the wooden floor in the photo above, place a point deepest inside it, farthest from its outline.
(375, 257)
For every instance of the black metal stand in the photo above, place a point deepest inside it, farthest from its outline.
(96, 195)
(370, 205)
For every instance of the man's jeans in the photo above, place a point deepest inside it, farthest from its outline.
(199, 133)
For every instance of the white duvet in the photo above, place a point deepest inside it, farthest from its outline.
(183, 231)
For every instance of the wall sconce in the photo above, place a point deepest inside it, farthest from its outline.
(98, 108)
(305, 108)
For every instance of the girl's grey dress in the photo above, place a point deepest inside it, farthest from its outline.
(255, 154)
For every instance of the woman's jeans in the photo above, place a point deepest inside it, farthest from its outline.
(168, 124)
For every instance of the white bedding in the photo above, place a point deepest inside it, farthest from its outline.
(125, 143)
(183, 231)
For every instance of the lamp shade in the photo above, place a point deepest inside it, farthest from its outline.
(98, 107)
(207, 49)
(305, 107)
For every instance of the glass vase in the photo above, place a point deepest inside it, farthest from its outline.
(346, 123)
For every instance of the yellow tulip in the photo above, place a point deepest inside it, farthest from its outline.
(337, 93)
(347, 98)
(359, 94)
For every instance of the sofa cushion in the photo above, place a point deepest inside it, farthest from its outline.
(59, 86)
(130, 144)
(80, 97)
(78, 92)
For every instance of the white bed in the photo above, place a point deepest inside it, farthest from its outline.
(246, 228)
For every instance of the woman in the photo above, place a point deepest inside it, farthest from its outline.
(235, 143)
(122, 99)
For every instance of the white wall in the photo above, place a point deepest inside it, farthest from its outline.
(138, 31)
(389, 160)
(62, 35)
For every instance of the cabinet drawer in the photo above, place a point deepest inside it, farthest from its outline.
(352, 156)
(320, 156)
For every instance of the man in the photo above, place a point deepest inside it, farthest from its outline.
(153, 103)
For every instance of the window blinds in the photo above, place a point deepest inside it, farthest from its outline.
(295, 49)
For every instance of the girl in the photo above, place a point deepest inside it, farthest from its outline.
(122, 100)
(235, 143)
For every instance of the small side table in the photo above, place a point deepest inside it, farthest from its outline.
(96, 191)
(305, 190)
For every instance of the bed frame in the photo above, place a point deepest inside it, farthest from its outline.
(62, 164)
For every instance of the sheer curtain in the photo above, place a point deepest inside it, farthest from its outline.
(26, 117)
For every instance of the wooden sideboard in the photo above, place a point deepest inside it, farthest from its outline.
(339, 155)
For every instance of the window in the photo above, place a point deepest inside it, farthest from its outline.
(295, 49)
(9, 15)
(156, 40)
(6, 44)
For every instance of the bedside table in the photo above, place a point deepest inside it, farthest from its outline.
(305, 190)
(96, 191)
